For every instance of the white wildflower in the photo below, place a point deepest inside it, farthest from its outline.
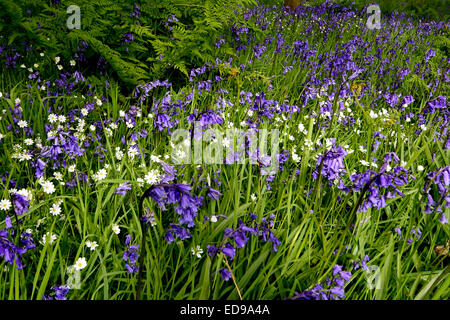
(50, 237)
(52, 118)
(364, 163)
(5, 205)
(100, 175)
(91, 245)
(197, 251)
(116, 229)
(152, 177)
(80, 264)
(48, 187)
(22, 124)
(84, 112)
(55, 209)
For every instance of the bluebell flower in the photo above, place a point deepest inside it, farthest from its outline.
(12, 253)
(123, 188)
(130, 256)
(229, 250)
(60, 293)
(214, 194)
(21, 203)
(332, 289)
(225, 274)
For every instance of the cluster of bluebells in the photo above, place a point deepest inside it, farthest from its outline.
(332, 289)
(332, 163)
(237, 238)
(130, 256)
(123, 188)
(127, 38)
(60, 293)
(179, 195)
(205, 118)
(12, 253)
(415, 233)
(165, 113)
(176, 231)
(136, 11)
(382, 185)
(143, 91)
(21, 203)
(185, 204)
(362, 264)
(437, 192)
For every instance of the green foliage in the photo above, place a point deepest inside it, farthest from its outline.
(426, 9)
(127, 71)
(310, 215)
(442, 43)
(162, 39)
(192, 36)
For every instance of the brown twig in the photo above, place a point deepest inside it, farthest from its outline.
(232, 277)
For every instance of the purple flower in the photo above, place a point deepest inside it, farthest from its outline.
(21, 203)
(130, 256)
(332, 163)
(123, 188)
(437, 191)
(136, 11)
(219, 43)
(178, 194)
(430, 53)
(8, 222)
(212, 250)
(169, 237)
(408, 100)
(60, 293)
(229, 250)
(179, 232)
(162, 121)
(240, 236)
(12, 253)
(338, 291)
(225, 274)
(214, 194)
(332, 289)
(78, 77)
(128, 37)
